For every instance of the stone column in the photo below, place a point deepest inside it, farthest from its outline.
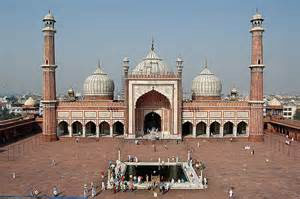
(194, 131)
(247, 130)
(222, 131)
(97, 131)
(70, 130)
(111, 130)
(207, 131)
(235, 131)
(83, 131)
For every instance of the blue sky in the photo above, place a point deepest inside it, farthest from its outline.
(109, 30)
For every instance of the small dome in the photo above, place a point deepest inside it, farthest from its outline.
(49, 16)
(179, 59)
(126, 59)
(152, 64)
(71, 92)
(30, 102)
(233, 90)
(206, 84)
(98, 84)
(257, 16)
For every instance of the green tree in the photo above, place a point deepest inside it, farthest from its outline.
(5, 115)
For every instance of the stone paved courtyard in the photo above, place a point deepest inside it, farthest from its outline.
(227, 164)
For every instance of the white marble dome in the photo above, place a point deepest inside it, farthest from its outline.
(98, 84)
(152, 64)
(30, 102)
(206, 84)
(49, 16)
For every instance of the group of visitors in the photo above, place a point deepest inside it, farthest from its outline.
(163, 187)
(86, 190)
(132, 158)
(117, 179)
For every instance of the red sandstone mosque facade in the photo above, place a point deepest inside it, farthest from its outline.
(153, 102)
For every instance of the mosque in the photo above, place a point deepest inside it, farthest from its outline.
(152, 102)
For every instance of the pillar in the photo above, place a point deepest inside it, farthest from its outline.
(70, 130)
(194, 131)
(221, 131)
(83, 131)
(235, 130)
(111, 130)
(97, 131)
(207, 131)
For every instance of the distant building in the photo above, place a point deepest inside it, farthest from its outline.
(30, 107)
(289, 110)
(274, 107)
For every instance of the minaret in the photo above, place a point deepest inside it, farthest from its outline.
(256, 85)
(49, 85)
(125, 65)
(179, 66)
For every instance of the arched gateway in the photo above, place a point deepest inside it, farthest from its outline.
(152, 121)
(153, 113)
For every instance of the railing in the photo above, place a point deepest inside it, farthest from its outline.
(19, 149)
(10, 120)
(285, 122)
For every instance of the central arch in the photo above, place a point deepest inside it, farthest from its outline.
(152, 121)
(152, 110)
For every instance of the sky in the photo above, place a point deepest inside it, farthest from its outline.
(217, 30)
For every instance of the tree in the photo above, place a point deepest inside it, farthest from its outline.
(5, 115)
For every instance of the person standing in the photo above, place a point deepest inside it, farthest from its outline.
(230, 192)
(93, 191)
(85, 190)
(55, 191)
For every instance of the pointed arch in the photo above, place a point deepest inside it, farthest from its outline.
(152, 121)
(62, 128)
(104, 128)
(77, 128)
(187, 128)
(90, 128)
(118, 128)
(228, 128)
(242, 128)
(214, 128)
(201, 128)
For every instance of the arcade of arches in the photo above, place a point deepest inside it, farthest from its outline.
(152, 120)
(201, 129)
(90, 129)
(153, 112)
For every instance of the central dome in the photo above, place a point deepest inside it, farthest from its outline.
(152, 64)
(98, 86)
(206, 85)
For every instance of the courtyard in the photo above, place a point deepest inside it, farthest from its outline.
(272, 172)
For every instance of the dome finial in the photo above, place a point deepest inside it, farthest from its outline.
(152, 44)
(205, 63)
(98, 63)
